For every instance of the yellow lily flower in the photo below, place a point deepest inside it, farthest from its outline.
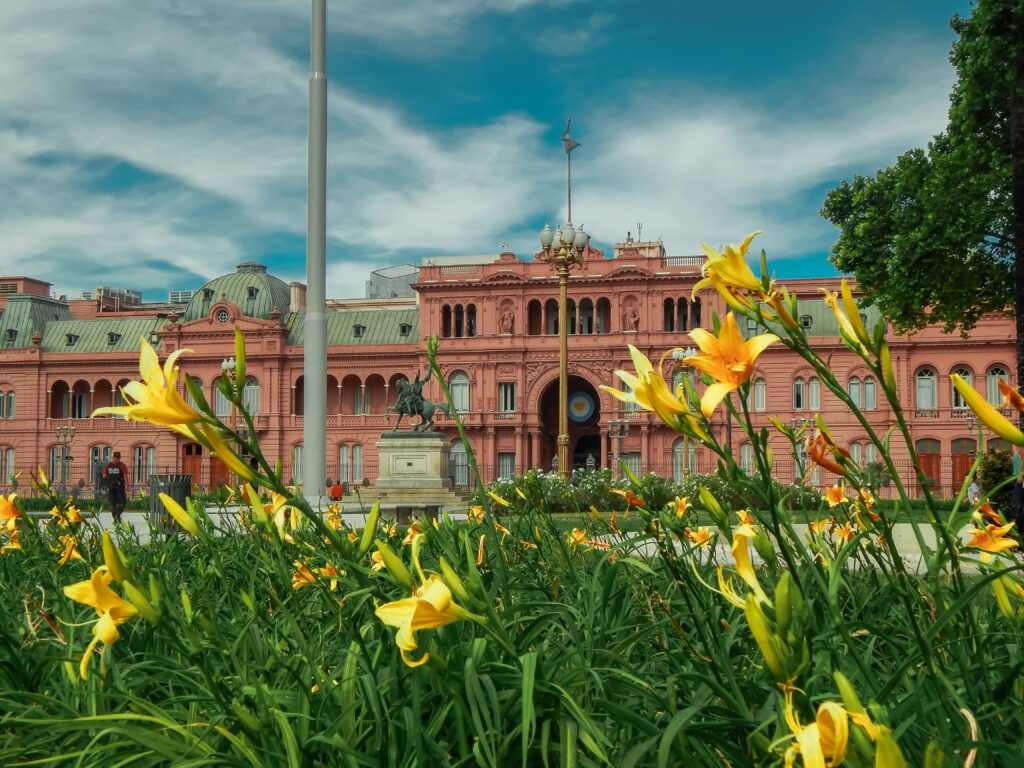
(728, 271)
(70, 550)
(852, 334)
(498, 499)
(652, 393)
(986, 413)
(845, 532)
(181, 517)
(682, 505)
(111, 609)
(728, 358)
(378, 561)
(9, 512)
(822, 743)
(577, 536)
(416, 529)
(430, 606)
(155, 399)
(728, 591)
(330, 572)
(992, 538)
(12, 542)
(741, 554)
(475, 514)
(353, 536)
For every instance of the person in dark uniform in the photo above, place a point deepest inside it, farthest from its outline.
(115, 475)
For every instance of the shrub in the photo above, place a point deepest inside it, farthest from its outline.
(995, 475)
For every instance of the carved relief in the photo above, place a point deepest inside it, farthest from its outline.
(630, 317)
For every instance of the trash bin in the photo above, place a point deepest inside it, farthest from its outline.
(178, 487)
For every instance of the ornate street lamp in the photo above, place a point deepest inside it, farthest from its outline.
(568, 254)
(64, 436)
(679, 357)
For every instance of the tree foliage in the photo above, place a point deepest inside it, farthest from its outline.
(931, 238)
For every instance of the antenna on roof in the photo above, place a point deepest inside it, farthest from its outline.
(639, 231)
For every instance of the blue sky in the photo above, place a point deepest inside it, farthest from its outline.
(154, 145)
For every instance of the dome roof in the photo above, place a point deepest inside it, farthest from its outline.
(249, 286)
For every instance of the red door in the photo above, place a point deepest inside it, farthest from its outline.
(218, 472)
(964, 451)
(192, 461)
(931, 463)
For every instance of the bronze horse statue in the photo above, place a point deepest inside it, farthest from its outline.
(410, 402)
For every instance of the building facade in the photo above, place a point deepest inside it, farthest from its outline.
(498, 323)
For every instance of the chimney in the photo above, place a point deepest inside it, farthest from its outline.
(298, 297)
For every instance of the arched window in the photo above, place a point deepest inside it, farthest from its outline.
(7, 468)
(760, 394)
(799, 398)
(221, 404)
(925, 386)
(188, 395)
(143, 463)
(870, 394)
(681, 311)
(534, 318)
(814, 393)
(99, 455)
(357, 463)
(458, 383)
(458, 465)
(856, 452)
(297, 463)
(695, 313)
(344, 468)
(870, 453)
(551, 317)
(669, 322)
(604, 315)
(996, 374)
(446, 321)
(471, 320)
(460, 321)
(251, 395)
(853, 387)
(747, 458)
(681, 468)
(959, 404)
(570, 317)
(7, 405)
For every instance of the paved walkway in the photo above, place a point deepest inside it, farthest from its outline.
(906, 541)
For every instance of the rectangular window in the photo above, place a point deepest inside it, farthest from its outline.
(99, 455)
(760, 394)
(632, 460)
(7, 469)
(798, 395)
(361, 401)
(870, 396)
(357, 463)
(221, 404)
(506, 466)
(814, 393)
(747, 458)
(344, 471)
(506, 397)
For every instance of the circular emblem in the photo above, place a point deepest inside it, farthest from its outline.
(581, 407)
(222, 316)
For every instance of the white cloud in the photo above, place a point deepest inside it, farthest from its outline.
(206, 97)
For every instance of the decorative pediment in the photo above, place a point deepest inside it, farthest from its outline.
(505, 276)
(629, 273)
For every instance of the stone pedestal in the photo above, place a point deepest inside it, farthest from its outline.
(412, 461)
(412, 475)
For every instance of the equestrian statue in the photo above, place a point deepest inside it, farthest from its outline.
(410, 402)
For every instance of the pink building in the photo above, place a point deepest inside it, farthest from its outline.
(498, 322)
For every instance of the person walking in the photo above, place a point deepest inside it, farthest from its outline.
(115, 475)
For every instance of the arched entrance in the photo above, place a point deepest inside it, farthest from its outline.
(584, 424)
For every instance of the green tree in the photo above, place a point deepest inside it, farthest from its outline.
(937, 236)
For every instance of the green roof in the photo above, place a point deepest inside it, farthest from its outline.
(249, 286)
(380, 326)
(26, 315)
(822, 320)
(113, 335)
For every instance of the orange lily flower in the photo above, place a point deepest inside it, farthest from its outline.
(845, 532)
(475, 514)
(835, 496)
(631, 498)
(816, 452)
(9, 513)
(302, 577)
(728, 358)
(701, 537)
(993, 538)
(12, 542)
(1011, 397)
(682, 506)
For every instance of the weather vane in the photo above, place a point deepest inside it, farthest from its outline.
(570, 144)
